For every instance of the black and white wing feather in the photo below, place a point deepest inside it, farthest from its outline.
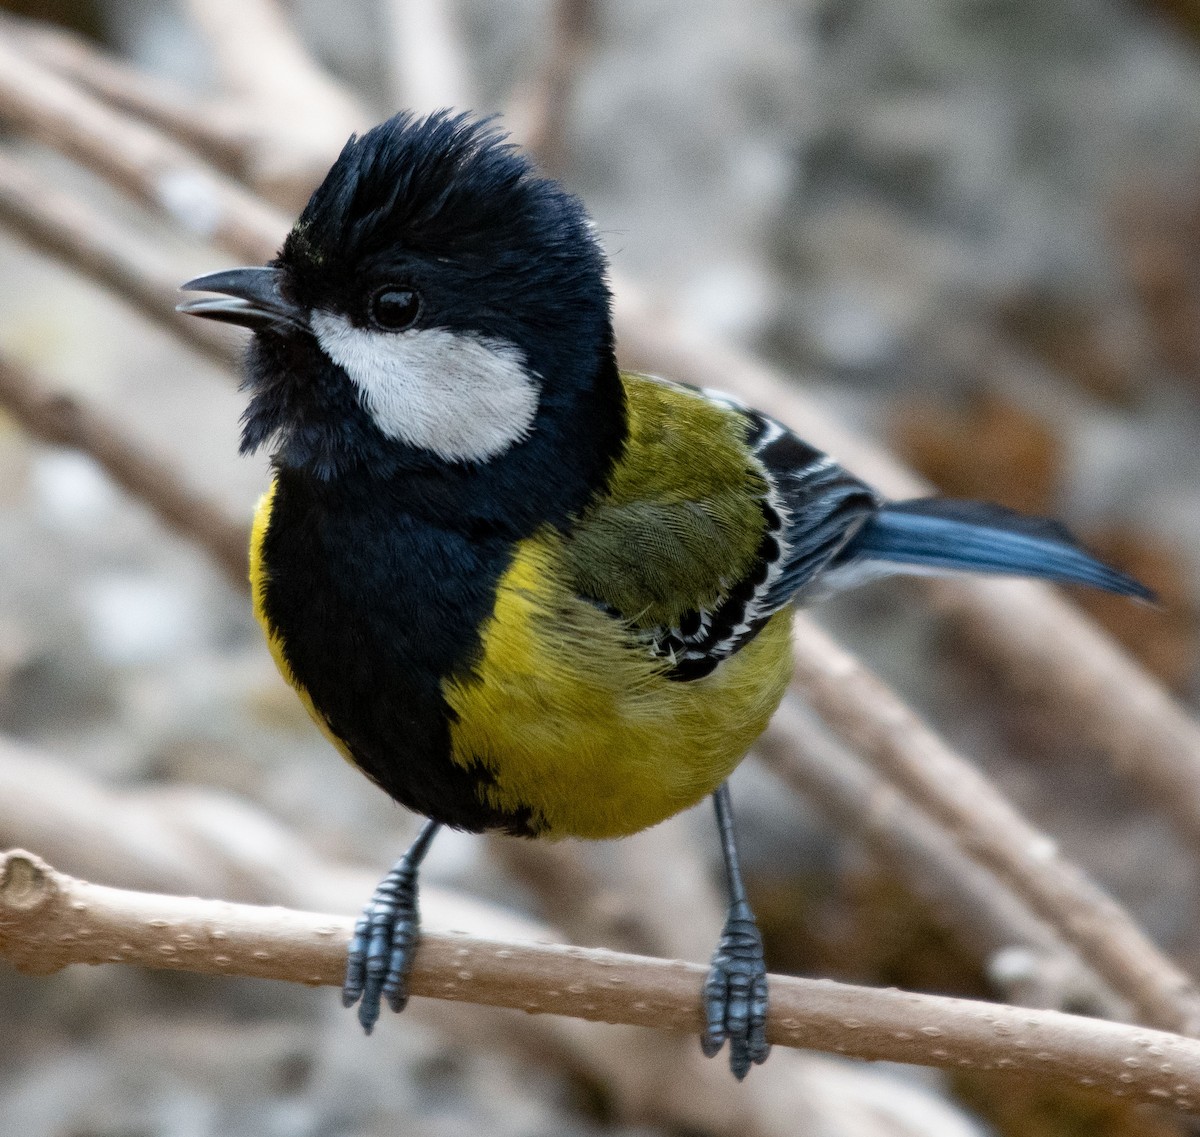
(821, 507)
(812, 507)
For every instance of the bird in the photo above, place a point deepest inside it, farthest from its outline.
(521, 589)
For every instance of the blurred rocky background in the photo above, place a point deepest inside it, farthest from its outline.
(971, 227)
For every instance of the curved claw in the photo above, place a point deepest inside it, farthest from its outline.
(735, 995)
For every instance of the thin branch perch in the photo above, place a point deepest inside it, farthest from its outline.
(49, 920)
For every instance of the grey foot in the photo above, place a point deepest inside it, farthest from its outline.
(735, 994)
(382, 949)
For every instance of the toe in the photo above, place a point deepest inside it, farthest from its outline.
(739, 1058)
(356, 960)
(756, 1036)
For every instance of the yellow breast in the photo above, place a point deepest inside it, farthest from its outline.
(579, 724)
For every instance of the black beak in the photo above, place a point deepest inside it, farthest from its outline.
(249, 297)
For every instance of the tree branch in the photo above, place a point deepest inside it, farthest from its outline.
(219, 130)
(427, 69)
(265, 64)
(1040, 648)
(49, 920)
(296, 115)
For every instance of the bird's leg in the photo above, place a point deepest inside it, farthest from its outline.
(735, 993)
(385, 937)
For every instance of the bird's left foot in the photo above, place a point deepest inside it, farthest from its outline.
(735, 994)
(382, 949)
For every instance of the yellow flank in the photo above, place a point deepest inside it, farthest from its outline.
(258, 586)
(581, 725)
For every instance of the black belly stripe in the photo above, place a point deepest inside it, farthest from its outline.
(373, 611)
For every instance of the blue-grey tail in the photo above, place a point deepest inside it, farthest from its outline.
(969, 536)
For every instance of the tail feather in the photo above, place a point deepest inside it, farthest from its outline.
(968, 536)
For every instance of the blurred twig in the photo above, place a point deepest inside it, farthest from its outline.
(263, 63)
(982, 912)
(136, 157)
(63, 420)
(196, 840)
(92, 242)
(49, 920)
(539, 110)
(216, 129)
(273, 80)
(888, 734)
(178, 838)
(1041, 649)
(281, 154)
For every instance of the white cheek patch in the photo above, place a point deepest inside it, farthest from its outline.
(465, 397)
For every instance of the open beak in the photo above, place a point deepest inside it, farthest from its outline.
(249, 297)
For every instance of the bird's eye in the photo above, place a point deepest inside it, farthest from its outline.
(394, 309)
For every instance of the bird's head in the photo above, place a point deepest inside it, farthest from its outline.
(437, 303)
